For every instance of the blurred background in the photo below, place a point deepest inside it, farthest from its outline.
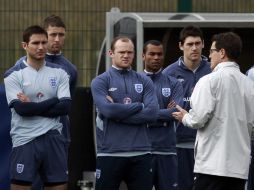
(86, 26)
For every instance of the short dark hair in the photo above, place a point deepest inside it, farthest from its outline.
(230, 42)
(190, 31)
(122, 38)
(35, 29)
(152, 42)
(53, 20)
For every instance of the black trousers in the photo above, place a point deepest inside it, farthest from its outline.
(212, 182)
(135, 171)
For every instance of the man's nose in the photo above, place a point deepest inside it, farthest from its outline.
(57, 38)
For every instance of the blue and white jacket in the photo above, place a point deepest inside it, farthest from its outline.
(188, 78)
(124, 122)
(162, 132)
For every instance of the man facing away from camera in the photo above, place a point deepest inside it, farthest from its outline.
(222, 110)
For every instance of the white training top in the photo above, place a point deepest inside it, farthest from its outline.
(222, 110)
(48, 82)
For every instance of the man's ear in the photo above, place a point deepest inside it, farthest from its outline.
(24, 45)
(222, 53)
(143, 56)
(110, 52)
(180, 46)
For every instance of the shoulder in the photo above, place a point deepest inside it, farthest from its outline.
(173, 80)
(69, 64)
(211, 79)
(100, 78)
(205, 63)
(20, 60)
(171, 67)
(63, 61)
(53, 65)
(141, 76)
(17, 67)
(250, 73)
(56, 67)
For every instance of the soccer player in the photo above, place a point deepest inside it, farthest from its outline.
(38, 94)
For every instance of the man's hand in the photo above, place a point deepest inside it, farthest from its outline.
(110, 99)
(22, 97)
(179, 115)
(171, 104)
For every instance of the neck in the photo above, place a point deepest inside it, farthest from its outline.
(192, 65)
(54, 53)
(34, 63)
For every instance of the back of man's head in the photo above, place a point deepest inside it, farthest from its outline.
(230, 42)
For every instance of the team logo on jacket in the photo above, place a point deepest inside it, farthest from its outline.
(180, 80)
(112, 89)
(166, 92)
(20, 168)
(53, 82)
(139, 88)
(98, 173)
(39, 95)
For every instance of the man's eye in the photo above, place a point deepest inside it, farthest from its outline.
(53, 35)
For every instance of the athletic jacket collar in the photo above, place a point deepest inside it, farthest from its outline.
(226, 64)
(203, 61)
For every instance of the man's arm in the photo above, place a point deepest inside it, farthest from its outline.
(59, 109)
(18, 100)
(202, 106)
(110, 109)
(151, 107)
(33, 108)
(176, 99)
(73, 81)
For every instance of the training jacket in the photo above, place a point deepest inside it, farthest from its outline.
(124, 122)
(162, 132)
(222, 110)
(188, 78)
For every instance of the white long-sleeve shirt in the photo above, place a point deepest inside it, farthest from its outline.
(223, 112)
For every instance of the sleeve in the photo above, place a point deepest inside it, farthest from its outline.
(20, 60)
(63, 91)
(108, 109)
(12, 87)
(73, 82)
(73, 86)
(250, 74)
(177, 97)
(202, 105)
(150, 111)
(59, 109)
(33, 108)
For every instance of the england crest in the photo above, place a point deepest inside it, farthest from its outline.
(98, 174)
(139, 88)
(20, 168)
(166, 92)
(53, 82)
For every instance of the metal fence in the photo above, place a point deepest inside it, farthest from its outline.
(86, 26)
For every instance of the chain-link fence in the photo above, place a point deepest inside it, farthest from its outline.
(85, 21)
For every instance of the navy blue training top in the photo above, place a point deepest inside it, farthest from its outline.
(188, 78)
(125, 120)
(162, 132)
